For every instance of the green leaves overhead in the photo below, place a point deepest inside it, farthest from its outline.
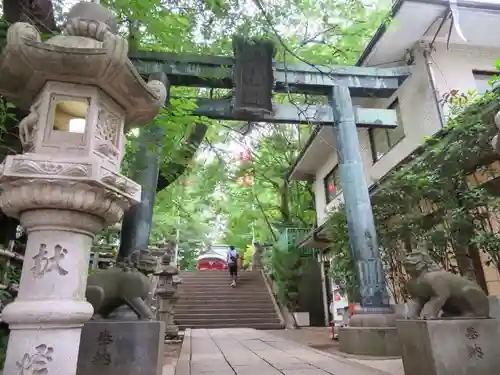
(210, 203)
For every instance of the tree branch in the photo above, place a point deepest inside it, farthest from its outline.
(174, 169)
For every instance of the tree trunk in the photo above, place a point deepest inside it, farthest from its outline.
(284, 204)
(173, 170)
(39, 13)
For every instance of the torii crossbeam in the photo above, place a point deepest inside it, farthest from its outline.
(296, 78)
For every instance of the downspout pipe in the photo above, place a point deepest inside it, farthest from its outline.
(432, 82)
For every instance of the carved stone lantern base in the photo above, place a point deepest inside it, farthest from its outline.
(61, 219)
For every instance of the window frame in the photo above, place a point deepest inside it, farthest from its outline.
(394, 105)
(478, 72)
(335, 169)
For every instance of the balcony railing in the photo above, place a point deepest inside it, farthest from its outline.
(292, 237)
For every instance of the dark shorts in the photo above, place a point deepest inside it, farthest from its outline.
(233, 269)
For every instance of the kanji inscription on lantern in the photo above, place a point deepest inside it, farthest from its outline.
(471, 333)
(43, 262)
(474, 350)
(37, 362)
(103, 356)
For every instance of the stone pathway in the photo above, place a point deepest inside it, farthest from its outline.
(243, 351)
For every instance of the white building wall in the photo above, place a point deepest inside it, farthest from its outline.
(322, 208)
(453, 69)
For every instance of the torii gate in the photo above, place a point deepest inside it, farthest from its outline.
(339, 84)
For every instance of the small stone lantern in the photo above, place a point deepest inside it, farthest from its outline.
(168, 296)
(83, 93)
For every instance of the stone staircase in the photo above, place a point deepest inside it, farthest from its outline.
(207, 301)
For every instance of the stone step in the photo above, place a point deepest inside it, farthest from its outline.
(222, 296)
(219, 280)
(219, 311)
(212, 325)
(223, 292)
(227, 298)
(244, 322)
(221, 284)
(180, 309)
(224, 310)
(219, 276)
(217, 272)
(218, 304)
(207, 301)
(235, 315)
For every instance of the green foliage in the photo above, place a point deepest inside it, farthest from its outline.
(248, 256)
(268, 202)
(489, 242)
(287, 269)
(342, 265)
(4, 340)
(332, 32)
(439, 177)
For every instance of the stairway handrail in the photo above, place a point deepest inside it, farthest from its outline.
(273, 299)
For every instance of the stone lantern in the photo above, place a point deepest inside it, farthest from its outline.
(83, 93)
(168, 295)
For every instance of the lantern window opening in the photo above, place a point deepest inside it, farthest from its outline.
(70, 114)
(77, 125)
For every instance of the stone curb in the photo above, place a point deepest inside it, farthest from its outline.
(183, 366)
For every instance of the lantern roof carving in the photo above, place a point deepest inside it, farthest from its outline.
(87, 52)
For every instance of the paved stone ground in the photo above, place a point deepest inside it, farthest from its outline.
(319, 338)
(314, 337)
(243, 351)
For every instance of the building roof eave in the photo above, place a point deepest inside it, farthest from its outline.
(312, 137)
(398, 4)
(378, 34)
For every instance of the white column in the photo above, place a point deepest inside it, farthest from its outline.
(47, 316)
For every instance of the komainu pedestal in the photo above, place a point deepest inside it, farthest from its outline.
(450, 346)
(370, 335)
(120, 348)
(453, 334)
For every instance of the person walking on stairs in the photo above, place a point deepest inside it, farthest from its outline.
(232, 264)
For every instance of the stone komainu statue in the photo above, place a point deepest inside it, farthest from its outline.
(434, 290)
(125, 284)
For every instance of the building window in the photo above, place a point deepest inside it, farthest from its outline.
(482, 78)
(383, 140)
(332, 184)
